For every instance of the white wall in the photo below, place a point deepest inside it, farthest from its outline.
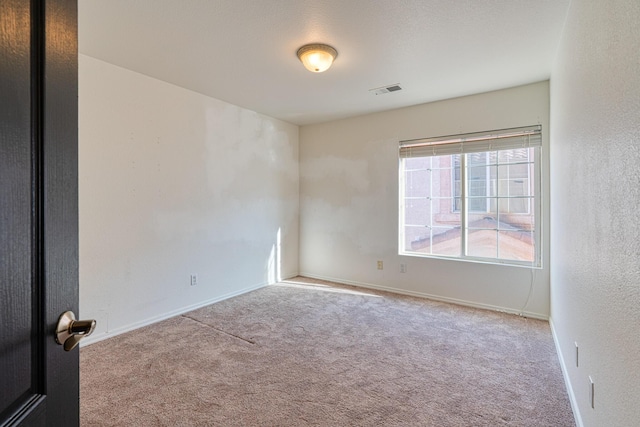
(595, 177)
(172, 183)
(349, 201)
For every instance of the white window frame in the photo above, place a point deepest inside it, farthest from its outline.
(504, 139)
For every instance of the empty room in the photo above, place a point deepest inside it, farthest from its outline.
(325, 213)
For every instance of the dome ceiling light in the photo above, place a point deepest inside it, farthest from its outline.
(317, 57)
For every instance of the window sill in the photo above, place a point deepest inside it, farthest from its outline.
(505, 263)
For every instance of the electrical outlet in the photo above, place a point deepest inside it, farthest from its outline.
(194, 279)
(577, 354)
(592, 392)
(403, 268)
(380, 265)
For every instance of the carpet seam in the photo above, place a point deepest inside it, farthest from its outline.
(219, 330)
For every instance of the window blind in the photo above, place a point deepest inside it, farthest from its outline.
(503, 139)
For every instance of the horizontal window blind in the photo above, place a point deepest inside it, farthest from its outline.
(504, 139)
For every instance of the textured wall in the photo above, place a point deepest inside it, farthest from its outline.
(349, 201)
(172, 183)
(595, 179)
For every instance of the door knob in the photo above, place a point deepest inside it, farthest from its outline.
(70, 331)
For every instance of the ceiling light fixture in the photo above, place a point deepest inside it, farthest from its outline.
(317, 57)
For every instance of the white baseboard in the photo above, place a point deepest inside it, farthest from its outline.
(92, 339)
(567, 381)
(528, 314)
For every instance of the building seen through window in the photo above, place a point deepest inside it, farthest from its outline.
(479, 205)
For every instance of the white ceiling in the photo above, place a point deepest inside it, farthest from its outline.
(244, 51)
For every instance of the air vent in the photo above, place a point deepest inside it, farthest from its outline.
(386, 89)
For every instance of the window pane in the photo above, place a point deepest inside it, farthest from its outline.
(455, 161)
(477, 204)
(476, 159)
(442, 170)
(417, 183)
(446, 241)
(457, 204)
(517, 213)
(516, 205)
(416, 238)
(481, 181)
(417, 177)
(484, 221)
(477, 185)
(513, 180)
(416, 163)
(517, 209)
(519, 170)
(457, 182)
(516, 245)
(482, 243)
(431, 223)
(516, 155)
(417, 211)
(457, 189)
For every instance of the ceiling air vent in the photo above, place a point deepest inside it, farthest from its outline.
(386, 89)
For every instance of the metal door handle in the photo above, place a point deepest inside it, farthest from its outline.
(70, 331)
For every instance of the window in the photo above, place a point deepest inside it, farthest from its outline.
(473, 196)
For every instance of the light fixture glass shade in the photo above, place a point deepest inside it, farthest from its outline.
(317, 57)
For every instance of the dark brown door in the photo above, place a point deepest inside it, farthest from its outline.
(38, 210)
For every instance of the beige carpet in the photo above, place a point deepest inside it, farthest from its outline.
(309, 353)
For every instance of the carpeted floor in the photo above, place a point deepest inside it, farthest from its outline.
(311, 353)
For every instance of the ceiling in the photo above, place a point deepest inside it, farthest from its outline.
(244, 51)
